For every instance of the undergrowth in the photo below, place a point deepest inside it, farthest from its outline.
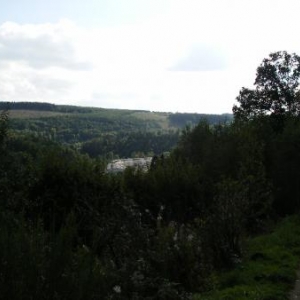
(268, 270)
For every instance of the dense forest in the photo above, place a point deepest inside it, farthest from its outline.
(70, 230)
(104, 133)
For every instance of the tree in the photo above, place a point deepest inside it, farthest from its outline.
(3, 125)
(276, 92)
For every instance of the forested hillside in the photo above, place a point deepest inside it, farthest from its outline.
(181, 230)
(105, 133)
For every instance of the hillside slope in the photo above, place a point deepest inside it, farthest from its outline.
(104, 132)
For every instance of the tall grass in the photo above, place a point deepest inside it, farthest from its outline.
(268, 270)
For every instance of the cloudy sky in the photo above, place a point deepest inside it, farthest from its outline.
(160, 55)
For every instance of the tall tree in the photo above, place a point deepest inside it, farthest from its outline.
(276, 92)
(3, 125)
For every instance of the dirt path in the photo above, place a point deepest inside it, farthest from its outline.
(295, 294)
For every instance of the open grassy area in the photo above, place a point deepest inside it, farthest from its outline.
(267, 272)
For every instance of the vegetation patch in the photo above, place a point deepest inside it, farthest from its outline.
(33, 114)
(267, 272)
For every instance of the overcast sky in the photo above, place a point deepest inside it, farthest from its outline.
(160, 55)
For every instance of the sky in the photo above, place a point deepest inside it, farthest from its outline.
(157, 55)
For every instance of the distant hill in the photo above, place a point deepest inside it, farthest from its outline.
(104, 132)
(177, 120)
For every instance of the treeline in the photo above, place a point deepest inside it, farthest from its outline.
(183, 119)
(43, 106)
(137, 144)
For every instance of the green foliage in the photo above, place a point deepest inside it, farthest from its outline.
(38, 265)
(184, 119)
(285, 168)
(178, 185)
(276, 93)
(3, 126)
(267, 272)
(226, 222)
(127, 145)
(104, 132)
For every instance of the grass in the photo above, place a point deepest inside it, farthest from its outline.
(268, 270)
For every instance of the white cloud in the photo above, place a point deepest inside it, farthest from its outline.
(128, 65)
(39, 46)
(40, 62)
(201, 58)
